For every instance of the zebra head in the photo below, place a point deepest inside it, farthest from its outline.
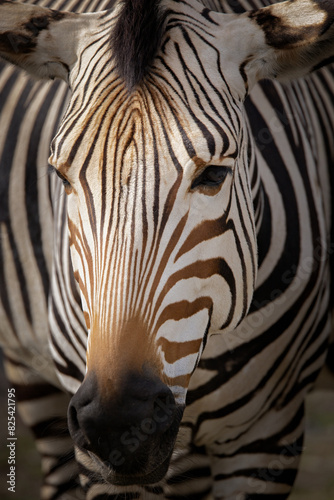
(155, 154)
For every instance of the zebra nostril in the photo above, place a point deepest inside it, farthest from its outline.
(73, 418)
(75, 430)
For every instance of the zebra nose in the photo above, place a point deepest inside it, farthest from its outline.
(122, 429)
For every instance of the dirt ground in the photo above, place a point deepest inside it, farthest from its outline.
(315, 480)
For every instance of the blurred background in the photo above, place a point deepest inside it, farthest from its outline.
(315, 480)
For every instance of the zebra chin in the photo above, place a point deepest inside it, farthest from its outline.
(129, 435)
(118, 479)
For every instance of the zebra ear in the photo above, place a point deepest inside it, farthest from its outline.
(285, 40)
(43, 42)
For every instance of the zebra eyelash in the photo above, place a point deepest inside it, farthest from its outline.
(211, 176)
(52, 170)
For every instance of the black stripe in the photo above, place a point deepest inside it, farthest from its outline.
(281, 476)
(271, 444)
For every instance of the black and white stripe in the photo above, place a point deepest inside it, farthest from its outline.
(145, 245)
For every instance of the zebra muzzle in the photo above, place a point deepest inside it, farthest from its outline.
(132, 431)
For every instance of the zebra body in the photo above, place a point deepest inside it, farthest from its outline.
(241, 431)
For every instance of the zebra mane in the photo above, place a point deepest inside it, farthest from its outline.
(136, 38)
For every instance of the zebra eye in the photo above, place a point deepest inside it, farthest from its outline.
(214, 175)
(66, 183)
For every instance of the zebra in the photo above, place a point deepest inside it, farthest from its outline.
(172, 287)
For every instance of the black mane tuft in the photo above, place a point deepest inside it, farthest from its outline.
(136, 39)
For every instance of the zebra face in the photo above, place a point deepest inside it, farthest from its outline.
(155, 230)
(162, 242)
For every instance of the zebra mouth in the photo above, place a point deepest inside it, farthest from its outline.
(154, 476)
